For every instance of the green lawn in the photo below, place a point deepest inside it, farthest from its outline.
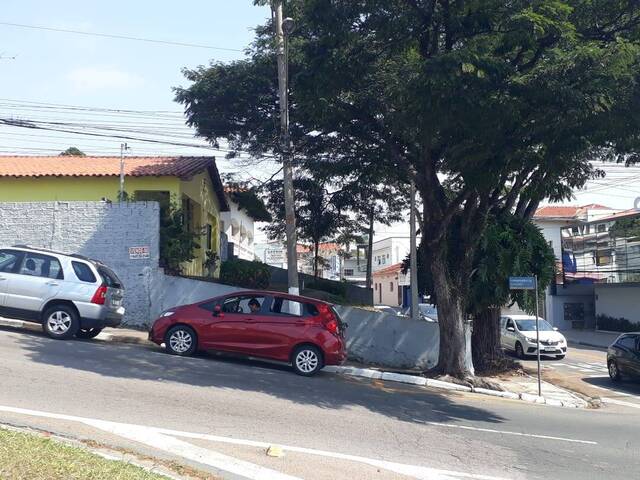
(31, 457)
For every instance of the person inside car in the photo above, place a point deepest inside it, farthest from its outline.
(254, 305)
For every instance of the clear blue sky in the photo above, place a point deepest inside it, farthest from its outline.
(64, 68)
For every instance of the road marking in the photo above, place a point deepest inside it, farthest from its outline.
(519, 434)
(619, 402)
(162, 439)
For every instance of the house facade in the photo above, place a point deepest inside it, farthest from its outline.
(387, 288)
(191, 184)
(390, 251)
(598, 264)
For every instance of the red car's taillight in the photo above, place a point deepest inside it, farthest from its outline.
(100, 295)
(332, 326)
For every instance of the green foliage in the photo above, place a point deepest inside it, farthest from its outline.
(628, 228)
(245, 274)
(605, 322)
(247, 200)
(510, 246)
(177, 243)
(490, 106)
(338, 289)
(73, 152)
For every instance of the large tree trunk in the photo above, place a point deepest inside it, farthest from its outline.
(485, 340)
(453, 348)
(369, 283)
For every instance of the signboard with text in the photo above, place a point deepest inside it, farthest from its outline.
(274, 256)
(136, 253)
(522, 283)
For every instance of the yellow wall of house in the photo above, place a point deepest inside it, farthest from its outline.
(44, 189)
(199, 189)
(206, 211)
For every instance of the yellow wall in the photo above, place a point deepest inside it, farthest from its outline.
(79, 188)
(200, 190)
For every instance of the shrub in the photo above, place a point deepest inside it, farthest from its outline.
(329, 286)
(605, 322)
(245, 274)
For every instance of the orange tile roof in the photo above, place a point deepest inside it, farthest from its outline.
(69, 166)
(323, 247)
(566, 211)
(388, 270)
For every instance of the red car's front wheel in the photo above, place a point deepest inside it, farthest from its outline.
(181, 340)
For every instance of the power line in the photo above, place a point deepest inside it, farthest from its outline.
(120, 37)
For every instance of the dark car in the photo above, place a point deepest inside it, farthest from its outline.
(304, 332)
(623, 356)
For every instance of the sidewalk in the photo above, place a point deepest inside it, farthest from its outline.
(116, 335)
(590, 338)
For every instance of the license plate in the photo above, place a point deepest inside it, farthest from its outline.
(550, 349)
(116, 302)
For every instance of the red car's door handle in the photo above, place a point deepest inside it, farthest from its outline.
(249, 320)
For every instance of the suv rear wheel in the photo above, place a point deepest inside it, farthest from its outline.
(60, 322)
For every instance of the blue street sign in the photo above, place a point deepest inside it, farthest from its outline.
(522, 283)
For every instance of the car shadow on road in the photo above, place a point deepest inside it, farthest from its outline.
(327, 391)
(626, 386)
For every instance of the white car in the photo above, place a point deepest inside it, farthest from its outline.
(518, 334)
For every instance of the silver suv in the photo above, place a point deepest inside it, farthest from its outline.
(69, 294)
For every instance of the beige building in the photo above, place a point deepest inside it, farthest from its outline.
(386, 286)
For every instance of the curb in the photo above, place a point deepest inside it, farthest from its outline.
(586, 344)
(428, 382)
(104, 336)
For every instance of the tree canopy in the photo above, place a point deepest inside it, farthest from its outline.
(73, 152)
(489, 106)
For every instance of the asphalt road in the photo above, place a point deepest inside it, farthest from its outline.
(214, 409)
(584, 370)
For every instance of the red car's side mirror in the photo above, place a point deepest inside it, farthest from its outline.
(217, 311)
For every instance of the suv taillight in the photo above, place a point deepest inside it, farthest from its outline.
(100, 295)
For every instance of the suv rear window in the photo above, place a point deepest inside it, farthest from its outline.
(109, 277)
(83, 272)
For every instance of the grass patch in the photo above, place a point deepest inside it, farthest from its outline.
(31, 457)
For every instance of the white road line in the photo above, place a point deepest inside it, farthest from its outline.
(519, 434)
(161, 438)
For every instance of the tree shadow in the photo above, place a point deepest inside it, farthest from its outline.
(327, 391)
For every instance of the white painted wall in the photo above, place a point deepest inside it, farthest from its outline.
(239, 228)
(390, 251)
(618, 301)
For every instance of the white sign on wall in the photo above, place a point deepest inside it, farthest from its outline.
(274, 256)
(136, 253)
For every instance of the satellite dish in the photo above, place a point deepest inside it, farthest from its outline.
(636, 204)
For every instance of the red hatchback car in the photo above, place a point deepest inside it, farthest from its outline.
(303, 332)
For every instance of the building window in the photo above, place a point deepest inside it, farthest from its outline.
(391, 286)
(209, 237)
(348, 272)
(602, 228)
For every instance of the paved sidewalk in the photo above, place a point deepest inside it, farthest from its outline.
(590, 338)
(527, 388)
(116, 335)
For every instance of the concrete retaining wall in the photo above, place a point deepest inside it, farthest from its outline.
(99, 230)
(390, 340)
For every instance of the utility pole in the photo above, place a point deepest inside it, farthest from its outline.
(413, 254)
(123, 148)
(283, 28)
